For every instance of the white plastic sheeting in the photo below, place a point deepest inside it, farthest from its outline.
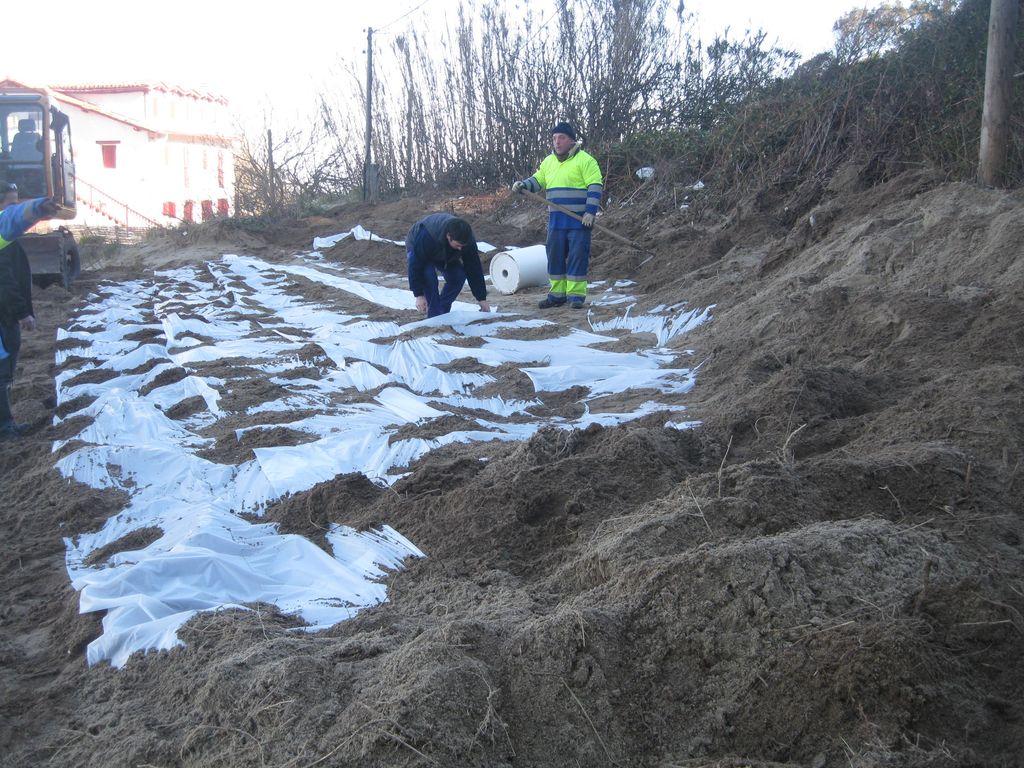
(664, 327)
(359, 233)
(207, 556)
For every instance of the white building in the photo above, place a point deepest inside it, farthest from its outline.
(149, 153)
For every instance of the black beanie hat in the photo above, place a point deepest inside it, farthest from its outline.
(565, 128)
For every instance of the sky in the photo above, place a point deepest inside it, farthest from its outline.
(274, 61)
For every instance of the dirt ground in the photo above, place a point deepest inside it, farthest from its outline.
(829, 571)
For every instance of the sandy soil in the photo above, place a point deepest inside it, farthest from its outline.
(827, 572)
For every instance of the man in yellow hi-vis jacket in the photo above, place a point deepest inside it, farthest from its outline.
(571, 178)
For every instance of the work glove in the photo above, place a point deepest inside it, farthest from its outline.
(518, 187)
(588, 220)
(44, 208)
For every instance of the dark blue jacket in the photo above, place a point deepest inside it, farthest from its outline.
(427, 245)
(15, 285)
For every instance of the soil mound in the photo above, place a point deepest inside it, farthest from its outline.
(827, 571)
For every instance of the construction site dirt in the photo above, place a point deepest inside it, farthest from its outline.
(827, 569)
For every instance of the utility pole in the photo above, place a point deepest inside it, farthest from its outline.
(370, 179)
(270, 171)
(995, 119)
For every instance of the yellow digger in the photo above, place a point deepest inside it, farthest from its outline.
(36, 155)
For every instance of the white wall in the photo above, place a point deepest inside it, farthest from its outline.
(132, 104)
(127, 181)
(150, 169)
(166, 110)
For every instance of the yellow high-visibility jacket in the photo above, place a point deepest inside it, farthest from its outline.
(575, 183)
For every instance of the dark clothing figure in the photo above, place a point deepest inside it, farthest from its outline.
(15, 306)
(429, 250)
(440, 300)
(15, 292)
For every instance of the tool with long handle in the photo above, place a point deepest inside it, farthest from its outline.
(570, 212)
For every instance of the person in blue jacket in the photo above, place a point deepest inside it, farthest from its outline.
(443, 243)
(16, 313)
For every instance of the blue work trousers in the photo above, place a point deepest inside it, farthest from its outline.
(10, 337)
(439, 302)
(568, 263)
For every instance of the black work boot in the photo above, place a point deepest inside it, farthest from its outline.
(10, 431)
(8, 428)
(547, 303)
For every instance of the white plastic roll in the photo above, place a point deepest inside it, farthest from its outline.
(519, 268)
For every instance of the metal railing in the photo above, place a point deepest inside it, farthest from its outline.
(119, 213)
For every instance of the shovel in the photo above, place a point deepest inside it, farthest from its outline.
(570, 212)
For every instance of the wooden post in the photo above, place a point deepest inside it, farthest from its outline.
(372, 190)
(408, 133)
(270, 171)
(367, 192)
(995, 120)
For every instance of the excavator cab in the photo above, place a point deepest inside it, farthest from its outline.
(35, 148)
(36, 156)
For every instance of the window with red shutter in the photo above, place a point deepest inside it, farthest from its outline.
(188, 211)
(109, 155)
